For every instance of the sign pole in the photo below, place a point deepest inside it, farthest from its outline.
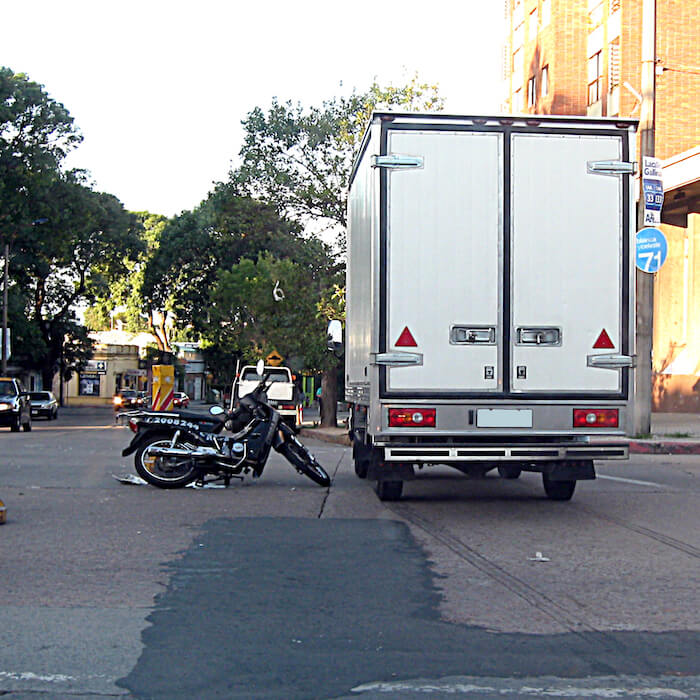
(645, 280)
(4, 311)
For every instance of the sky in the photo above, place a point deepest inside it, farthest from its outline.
(158, 88)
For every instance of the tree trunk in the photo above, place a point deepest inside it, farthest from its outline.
(329, 398)
(47, 375)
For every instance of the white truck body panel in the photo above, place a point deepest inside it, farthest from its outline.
(481, 275)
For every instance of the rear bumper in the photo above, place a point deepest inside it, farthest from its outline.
(550, 452)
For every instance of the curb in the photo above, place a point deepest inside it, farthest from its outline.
(663, 447)
(338, 437)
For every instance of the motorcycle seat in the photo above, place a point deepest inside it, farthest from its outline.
(200, 417)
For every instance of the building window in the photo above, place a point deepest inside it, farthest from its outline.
(544, 81)
(532, 25)
(519, 35)
(614, 64)
(518, 12)
(89, 384)
(595, 13)
(518, 69)
(517, 99)
(546, 12)
(531, 94)
(595, 77)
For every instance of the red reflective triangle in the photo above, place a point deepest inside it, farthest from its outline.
(603, 341)
(406, 340)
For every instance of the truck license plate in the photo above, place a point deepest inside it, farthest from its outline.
(504, 418)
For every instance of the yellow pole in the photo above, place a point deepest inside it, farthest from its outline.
(163, 387)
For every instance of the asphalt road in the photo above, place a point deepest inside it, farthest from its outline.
(277, 588)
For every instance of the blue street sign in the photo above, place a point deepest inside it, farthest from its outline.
(652, 249)
(653, 195)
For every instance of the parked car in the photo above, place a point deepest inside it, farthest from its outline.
(181, 400)
(127, 398)
(15, 408)
(43, 403)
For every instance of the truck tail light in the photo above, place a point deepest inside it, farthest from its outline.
(412, 417)
(596, 418)
(287, 406)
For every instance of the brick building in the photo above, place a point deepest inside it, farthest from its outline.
(583, 57)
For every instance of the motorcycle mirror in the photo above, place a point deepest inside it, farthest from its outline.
(216, 410)
(260, 367)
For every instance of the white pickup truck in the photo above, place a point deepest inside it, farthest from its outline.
(282, 393)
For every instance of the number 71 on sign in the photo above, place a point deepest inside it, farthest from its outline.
(652, 249)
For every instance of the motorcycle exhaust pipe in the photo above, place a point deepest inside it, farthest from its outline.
(179, 452)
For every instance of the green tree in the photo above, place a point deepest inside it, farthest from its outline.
(36, 133)
(198, 246)
(124, 300)
(300, 160)
(75, 255)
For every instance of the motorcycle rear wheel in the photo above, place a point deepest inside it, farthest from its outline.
(164, 472)
(304, 462)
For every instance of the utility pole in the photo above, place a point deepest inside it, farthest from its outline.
(4, 310)
(645, 280)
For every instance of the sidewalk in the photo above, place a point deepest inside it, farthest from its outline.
(671, 433)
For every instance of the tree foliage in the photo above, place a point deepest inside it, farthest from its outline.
(214, 270)
(300, 159)
(74, 256)
(67, 243)
(36, 133)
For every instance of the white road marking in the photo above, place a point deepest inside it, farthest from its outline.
(30, 676)
(549, 691)
(630, 481)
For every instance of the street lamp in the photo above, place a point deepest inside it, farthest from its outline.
(4, 299)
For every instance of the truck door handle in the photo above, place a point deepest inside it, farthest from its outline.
(538, 336)
(473, 335)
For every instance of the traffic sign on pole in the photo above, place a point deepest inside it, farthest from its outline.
(652, 249)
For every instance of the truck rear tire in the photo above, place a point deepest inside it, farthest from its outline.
(389, 490)
(558, 490)
(360, 460)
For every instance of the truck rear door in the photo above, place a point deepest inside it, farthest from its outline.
(443, 271)
(568, 286)
(504, 262)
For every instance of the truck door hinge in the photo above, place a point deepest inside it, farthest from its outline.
(395, 161)
(611, 167)
(397, 359)
(614, 361)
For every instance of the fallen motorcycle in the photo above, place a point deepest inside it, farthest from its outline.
(173, 449)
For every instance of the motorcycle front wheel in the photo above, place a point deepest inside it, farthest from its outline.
(304, 462)
(164, 472)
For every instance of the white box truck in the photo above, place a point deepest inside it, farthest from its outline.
(490, 296)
